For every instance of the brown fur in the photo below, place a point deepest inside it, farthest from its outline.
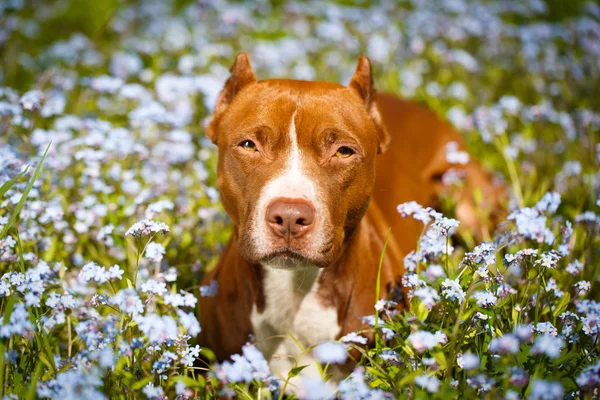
(361, 193)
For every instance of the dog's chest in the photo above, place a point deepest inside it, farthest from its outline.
(292, 308)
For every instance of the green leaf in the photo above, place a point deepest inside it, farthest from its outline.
(562, 305)
(8, 308)
(440, 357)
(408, 379)
(7, 185)
(568, 384)
(34, 378)
(20, 250)
(296, 370)
(140, 384)
(421, 312)
(45, 361)
(209, 354)
(198, 383)
(565, 358)
(376, 372)
(469, 313)
(408, 350)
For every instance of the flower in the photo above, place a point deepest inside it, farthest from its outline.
(155, 287)
(546, 390)
(157, 328)
(88, 271)
(441, 337)
(455, 156)
(549, 202)
(582, 287)
(524, 333)
(468, 361)
(574, 268)
(546, 327)
(428, 296)
(429, 383)
(155, 251)
(257, 360)
(505, 344)
(245, 367)
(518, 377)
(383, 304)
(312, 388)
(390, 356)
(549, 345)
(452, 290)
(209, 290)
(4, 288)
(589, 377)
(532, 225)
(153, 392)
(158, 207)
(330, 352)
(445, 225)
(355, 387)
(353, 337)
(189, 322)
(147, 227)
(591, 324)
(548, 260)
(423, 340)
(32, 100)
(588, 217)
(180, 388)
(481, 382)
(485, 299)
(128, 301)
(115, 272)
(31, 299)
(409, 208)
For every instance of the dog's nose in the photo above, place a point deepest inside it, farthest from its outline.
(290, 217)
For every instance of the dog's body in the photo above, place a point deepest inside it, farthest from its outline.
(311, 208)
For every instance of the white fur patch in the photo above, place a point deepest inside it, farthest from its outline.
(291, 183)
(292, 308)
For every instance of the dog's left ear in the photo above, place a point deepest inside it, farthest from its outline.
(362, 82)
(241, 76)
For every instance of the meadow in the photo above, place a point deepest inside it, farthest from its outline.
(110, 215)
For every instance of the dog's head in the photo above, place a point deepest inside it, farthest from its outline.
(296, 163)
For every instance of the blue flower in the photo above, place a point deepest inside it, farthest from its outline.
(546, 390)
(330, 352)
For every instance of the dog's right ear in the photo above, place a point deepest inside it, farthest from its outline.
(362, 83)
(241, 76)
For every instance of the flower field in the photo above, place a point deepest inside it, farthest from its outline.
(110, 214)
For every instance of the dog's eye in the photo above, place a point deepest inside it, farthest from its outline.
(344, 152)
(248, 145)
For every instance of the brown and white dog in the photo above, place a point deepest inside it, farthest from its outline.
(311, 206)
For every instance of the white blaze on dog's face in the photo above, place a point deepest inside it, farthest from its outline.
(296, 163)
(288, 207)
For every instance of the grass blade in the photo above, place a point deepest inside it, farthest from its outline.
(7, 185)
(377, 288)
(17, 209)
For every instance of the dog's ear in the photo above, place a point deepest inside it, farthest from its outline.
(362, 82)
(241, 76)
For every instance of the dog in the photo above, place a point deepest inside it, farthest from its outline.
(310, 174)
